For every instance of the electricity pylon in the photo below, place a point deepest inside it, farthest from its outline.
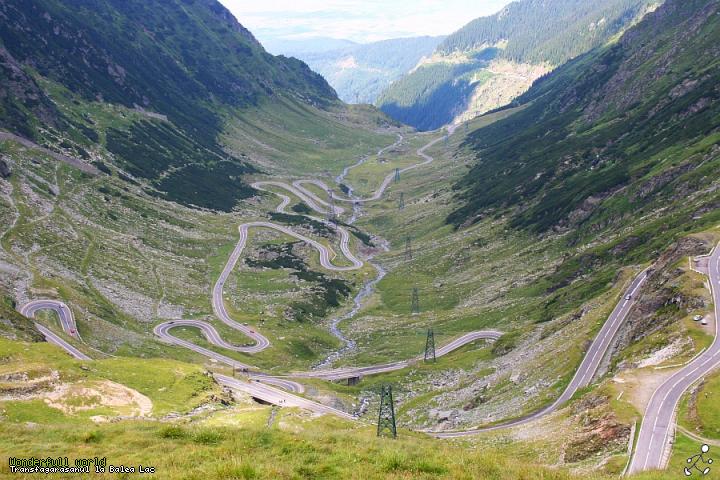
(331, 212)
(401, 202)
(397, 174)
(430, 346)
(408, 248)
(386, 417)
(415, 303)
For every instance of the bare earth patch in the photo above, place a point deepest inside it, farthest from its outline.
(639, 385)
(73, 398)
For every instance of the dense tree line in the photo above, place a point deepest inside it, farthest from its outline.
(550, 31)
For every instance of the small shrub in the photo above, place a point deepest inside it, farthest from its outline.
(92, 436)
(506, 343)
(174, 432)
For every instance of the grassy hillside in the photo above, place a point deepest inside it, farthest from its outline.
(493, 59)
(611, 137)
(282, 137)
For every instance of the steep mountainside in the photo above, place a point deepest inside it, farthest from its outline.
(492, 60)
(621, 143)
(359, 73)
(175, 68)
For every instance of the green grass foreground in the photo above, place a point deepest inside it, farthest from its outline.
(322, 450)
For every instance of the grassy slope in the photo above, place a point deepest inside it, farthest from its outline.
(285, 137)
(589, 159)
(183, 68)
(230, 443)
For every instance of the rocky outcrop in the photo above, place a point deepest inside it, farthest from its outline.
(660, 302)
(601, 431)
(4, 169)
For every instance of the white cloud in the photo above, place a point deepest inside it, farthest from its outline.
(357, 20)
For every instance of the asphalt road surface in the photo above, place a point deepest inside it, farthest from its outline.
(656, 432)
(279, 397)
(67, 321)
(585, 372)
(352, 372)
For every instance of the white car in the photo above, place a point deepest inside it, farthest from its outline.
(628, 297)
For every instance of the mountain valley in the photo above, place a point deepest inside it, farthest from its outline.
(241, 263)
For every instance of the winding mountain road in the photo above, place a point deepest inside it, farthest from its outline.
(585, 372)
(297, 185)
(656, 431)
(67, 322)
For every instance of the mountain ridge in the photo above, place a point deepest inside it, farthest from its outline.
(360, 72)
(492, 60)
(625, 138)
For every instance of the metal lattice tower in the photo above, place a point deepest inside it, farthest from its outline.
(415, 303)
(386, 417)
(447, 139)
(397, 174)
(408, 248)
(401, 202)
(430, 346)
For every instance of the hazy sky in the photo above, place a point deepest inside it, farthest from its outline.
(357, 20)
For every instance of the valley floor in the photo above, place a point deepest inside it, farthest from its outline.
(126, 263)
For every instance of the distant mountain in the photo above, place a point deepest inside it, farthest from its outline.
(177, 67)
(623, 140)
(359, 73)
(492, 60)
(293, 48)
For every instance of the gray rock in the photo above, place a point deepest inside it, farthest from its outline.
(4, 169)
